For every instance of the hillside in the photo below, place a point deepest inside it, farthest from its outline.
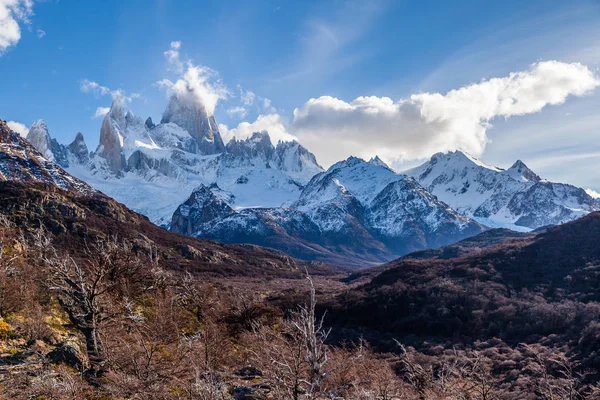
(540, 290)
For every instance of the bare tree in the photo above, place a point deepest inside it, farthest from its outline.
(299, 359)
(80, 293)
(84, 290)
(564, 384)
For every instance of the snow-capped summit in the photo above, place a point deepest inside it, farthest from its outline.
(378, 161)
(153, 168)
(79, 150)
(520, 171)
(516, 198)
(356, 212)
(187, 113)
(296, 160)
(39, 138)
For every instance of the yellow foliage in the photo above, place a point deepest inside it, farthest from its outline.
(5, 329)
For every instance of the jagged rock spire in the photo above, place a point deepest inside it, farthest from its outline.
(39, 138)
(111, 137)
(193, 117)
(79, 149)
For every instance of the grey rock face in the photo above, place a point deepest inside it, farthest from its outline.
(79, 150)
(111, 133)
(149, 124)
(201, 208)
(193, 118)
(39, 138)
(68, 354)
(20, 161)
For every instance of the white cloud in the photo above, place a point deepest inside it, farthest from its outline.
(247, 97)
(267, 107)
(12, 12)
(426, 123)
(40, 33)
(272, 123)
(101, 112)
(172, 56)
(18, 127)
(239, 112)
(87, 86)
(195, 84)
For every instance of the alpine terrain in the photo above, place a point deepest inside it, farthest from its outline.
(516, 197)
(181, 175)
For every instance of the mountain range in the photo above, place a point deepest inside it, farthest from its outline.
(35, 191)
(183, 176)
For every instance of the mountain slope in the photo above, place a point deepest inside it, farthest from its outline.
(516, 198)
(20, 161)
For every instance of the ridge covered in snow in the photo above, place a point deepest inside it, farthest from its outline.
(356, 212)
(515, 198)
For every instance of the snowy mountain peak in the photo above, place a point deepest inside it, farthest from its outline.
(192, 116)
(592, 193)
(296, 160)
(520, 171)
(79, 150)
(378, 162)
(459, 159)
(256, 146)
(349, 162)
(515, 198)
(39, 138)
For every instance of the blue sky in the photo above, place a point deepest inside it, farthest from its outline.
(289, 52)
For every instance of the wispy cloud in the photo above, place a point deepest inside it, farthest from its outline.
(98, 90)
(239, 112)
(40, 33)
(325, 45)
(101, 112)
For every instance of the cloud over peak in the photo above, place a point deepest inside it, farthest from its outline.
(195, 83)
